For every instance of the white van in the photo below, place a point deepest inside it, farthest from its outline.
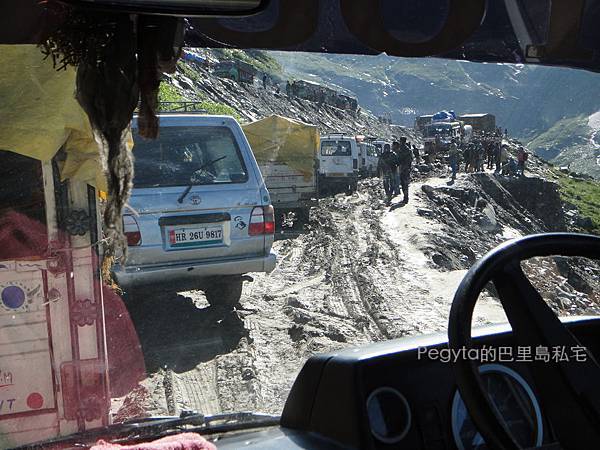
(338, 163)
(368, 159)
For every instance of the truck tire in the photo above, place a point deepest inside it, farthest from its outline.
(224, 292)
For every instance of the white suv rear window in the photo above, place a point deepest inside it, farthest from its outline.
(181, 155)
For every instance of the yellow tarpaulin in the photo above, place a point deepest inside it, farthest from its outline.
(277, 138)
(39, 114)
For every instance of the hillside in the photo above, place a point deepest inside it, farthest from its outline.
(573, 142)
(248, 102)
(532, 102)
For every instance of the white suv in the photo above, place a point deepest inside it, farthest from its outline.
(200, 214)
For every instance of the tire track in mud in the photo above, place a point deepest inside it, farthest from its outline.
(342, 283)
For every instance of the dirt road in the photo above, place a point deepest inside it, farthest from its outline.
(360, 272)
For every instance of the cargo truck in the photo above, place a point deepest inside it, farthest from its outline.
(286, 150)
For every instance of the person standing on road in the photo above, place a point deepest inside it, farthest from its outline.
(479, 157)
(467, 157)
(490, 154)
(498, 156)
(453, 159)
(521, 158)
(405, 159)
(386, 166)
(504, 159)
(416, 154)
(395, 172)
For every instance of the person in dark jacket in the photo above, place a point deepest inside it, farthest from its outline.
(386, 167)
(404, 157)
(416, 154)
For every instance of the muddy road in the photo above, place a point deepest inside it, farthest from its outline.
(361, 271)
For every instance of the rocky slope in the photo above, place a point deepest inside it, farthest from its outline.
(531, 101)
(573, 142)
(251, 102)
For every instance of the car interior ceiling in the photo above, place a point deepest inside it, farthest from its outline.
(509, 31)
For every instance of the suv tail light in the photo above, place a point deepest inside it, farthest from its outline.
(262, 221)
(132, 231)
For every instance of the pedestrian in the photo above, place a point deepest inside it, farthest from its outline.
(521, 158)
(415, 151)
(490, 154)
(395, 171)
(405, 159)
(467, 157)
(453, 156)
(288, 88)
(504, 159)
(479, 157)
(264, 80)
(498, 156)
(386, 166)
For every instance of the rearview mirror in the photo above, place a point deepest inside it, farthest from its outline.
(187, 8)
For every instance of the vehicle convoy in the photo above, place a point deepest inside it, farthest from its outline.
(338, 163)
(286, 152)
(200, 215)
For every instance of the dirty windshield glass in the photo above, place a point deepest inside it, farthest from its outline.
(188, 154)
(335, 148)
(249, 248)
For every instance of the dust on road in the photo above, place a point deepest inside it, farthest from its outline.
(360, 273)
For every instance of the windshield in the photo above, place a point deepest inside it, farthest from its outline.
(243, 249)
(179, 152)
(438, 130)
(336, 148)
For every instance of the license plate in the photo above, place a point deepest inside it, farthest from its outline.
(194, 236)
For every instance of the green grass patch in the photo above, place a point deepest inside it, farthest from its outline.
(563, 131)
(261, 60)
(169, 93)
(584, 194)
(219, 108)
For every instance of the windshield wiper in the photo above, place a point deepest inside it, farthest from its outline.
(156, 427)
(189, 187)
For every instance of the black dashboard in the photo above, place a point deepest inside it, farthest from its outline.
(401, 394)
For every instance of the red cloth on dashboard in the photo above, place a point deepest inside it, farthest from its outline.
(183, 441)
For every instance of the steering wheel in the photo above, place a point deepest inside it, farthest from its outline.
(569, 392)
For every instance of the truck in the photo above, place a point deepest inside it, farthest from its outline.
(481, 122)
(53, 349)
(422, 121)
(338, 163)
(286, 152)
